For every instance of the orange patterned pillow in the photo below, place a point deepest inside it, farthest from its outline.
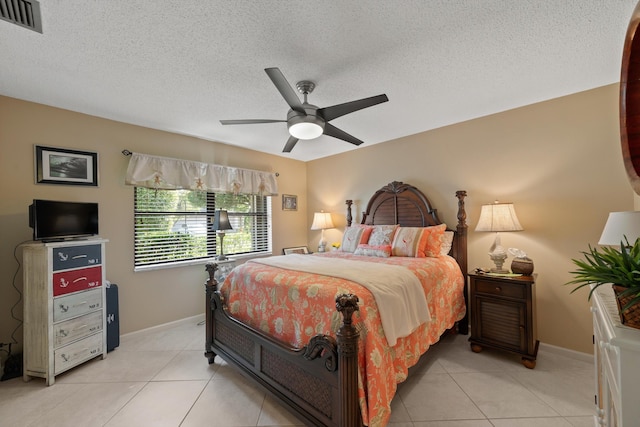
(431, 243)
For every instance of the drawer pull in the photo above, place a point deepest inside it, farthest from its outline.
(78, 256)
(79, 279)
(498, 288)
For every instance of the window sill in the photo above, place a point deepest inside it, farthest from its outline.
(179, 264)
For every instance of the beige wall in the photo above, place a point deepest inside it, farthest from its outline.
(146, 298)
(559, 162)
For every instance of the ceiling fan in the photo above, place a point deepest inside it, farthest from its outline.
(307, 121)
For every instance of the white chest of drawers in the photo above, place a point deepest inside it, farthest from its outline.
(64, 306)
(617, 363)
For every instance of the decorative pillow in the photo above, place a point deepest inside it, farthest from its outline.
(431, 243)
(382, 235)
(446, 241)
(407, 241)
(383, 251)
(353, 236)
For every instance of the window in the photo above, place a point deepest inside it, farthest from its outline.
(174, 226)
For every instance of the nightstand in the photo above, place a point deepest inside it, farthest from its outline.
(223, 270)
(503, 315)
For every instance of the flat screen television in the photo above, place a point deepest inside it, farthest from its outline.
(56, 220)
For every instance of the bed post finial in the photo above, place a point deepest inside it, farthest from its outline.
(462, 214)
(349, 202)
(461, 255)
(347, 338)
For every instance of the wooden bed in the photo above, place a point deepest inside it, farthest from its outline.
(319, 382)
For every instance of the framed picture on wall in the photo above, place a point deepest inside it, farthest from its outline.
(289, 202)
(65, 166)
(303, 250)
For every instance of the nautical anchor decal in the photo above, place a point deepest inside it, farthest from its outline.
(63, 283)
(62, 256)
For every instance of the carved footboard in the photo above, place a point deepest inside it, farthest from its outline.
(319, 382)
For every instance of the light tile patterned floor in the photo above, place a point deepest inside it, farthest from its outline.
(161, 378)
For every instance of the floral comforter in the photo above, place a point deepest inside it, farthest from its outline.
(294, 306)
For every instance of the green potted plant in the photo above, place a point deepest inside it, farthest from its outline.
(618, 267)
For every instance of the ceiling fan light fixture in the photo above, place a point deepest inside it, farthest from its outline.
(305, 127)
(305, 130)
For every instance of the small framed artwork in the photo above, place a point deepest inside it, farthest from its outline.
(296, 250)
(289, 202)
(65, 166)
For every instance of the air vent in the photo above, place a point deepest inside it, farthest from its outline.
(25, 13)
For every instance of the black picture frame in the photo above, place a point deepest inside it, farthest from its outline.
(64, 166)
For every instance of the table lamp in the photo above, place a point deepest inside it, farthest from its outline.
(322, 221)
(620, 228)
(220, 224)
(498, 217)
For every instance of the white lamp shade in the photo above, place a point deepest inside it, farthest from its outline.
(620, 225)
(322, 221)
(498, 217)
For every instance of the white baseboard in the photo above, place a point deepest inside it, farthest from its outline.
(187, 320)
(585, 357)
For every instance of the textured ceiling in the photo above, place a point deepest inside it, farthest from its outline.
(181, 66)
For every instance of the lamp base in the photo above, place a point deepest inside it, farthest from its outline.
(498, 259)
(221, 257)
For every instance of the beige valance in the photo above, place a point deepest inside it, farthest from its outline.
(174, 174)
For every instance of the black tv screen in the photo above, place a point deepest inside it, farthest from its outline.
(55, 220)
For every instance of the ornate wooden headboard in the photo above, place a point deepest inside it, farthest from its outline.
(404, 204)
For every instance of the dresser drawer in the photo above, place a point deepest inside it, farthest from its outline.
(505, 289)
(73, 329)
(78, 304)
(77, 352)
(76, 257)
(65, 282)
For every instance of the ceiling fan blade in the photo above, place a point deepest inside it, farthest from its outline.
(335, 111)
(249, 121)
(291, 142)
(333, 131)
(285, 89)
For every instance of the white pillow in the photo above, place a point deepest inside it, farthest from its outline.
(446, 242)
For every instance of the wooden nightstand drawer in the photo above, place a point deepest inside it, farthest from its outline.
(500, 288)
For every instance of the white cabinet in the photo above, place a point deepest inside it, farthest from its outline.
(617, 363)
(64, 306)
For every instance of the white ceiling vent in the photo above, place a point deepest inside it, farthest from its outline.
(25, 13)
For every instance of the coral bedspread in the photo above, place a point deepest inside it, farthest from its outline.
(294, 306)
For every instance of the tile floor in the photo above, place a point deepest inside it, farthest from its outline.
(161, 378)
